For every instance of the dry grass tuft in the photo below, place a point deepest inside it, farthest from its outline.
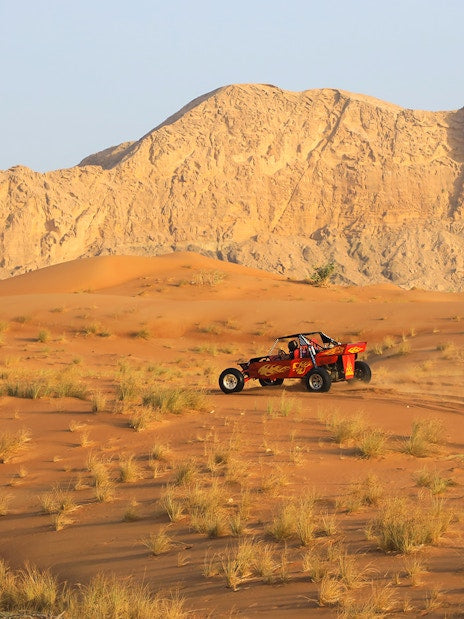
(342, 429)
(129, 470)
(433, 480)
(372, 443)
(174, 400)
(403, 525)
(11, 444)
(425, 436)
(363, 493)
(171, 503)
(58, 500)
(158, 542)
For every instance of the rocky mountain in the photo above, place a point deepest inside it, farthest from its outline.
(284, 181)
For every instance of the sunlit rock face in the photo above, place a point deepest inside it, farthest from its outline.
(280, 180)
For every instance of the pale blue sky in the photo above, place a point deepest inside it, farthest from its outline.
(78, 77)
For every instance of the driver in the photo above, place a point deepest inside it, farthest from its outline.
(292, 348)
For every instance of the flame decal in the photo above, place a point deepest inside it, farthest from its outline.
(349, 369)
(270, 369)
(300, 367)
(355, 349)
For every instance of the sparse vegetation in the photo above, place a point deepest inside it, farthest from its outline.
(158, 541)
(425, 436)
(342, 428)
(30, 591)
(403, 525)
(433, 480)
(372, 443)
(129, 470)
(174, 400)
(321, 275)
(11, 443)
(43, 336)
(367, 492)
(207, 278)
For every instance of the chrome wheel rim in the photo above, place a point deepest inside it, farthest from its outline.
(315, 381)
(230, 381)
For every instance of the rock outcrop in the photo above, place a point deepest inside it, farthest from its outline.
(253, 174)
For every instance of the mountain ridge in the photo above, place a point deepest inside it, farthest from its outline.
(274, 179)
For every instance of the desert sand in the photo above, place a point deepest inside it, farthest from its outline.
(113, 329)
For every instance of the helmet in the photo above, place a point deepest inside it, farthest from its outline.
(292, 345)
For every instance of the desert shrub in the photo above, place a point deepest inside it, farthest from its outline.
(321, 275)
(236, 563)
(44, 385)
(160, 452)
(43, 336)
(69, 389)
(404, 525)
(141, 334)
(207, 278)
(131, 514)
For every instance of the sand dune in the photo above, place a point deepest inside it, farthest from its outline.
(122, 327)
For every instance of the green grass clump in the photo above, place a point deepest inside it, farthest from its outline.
(174, 400)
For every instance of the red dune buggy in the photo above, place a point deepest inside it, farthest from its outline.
(314, 357)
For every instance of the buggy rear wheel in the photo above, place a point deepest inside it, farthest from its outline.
(231, 380)
(362, 371)
(266, 382)
(318, 380)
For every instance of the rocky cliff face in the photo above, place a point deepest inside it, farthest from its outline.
(280, 180)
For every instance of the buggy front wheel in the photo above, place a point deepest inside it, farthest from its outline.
(318, 380)
(231, 380)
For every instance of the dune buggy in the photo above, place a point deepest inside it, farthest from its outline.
(313, 357)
